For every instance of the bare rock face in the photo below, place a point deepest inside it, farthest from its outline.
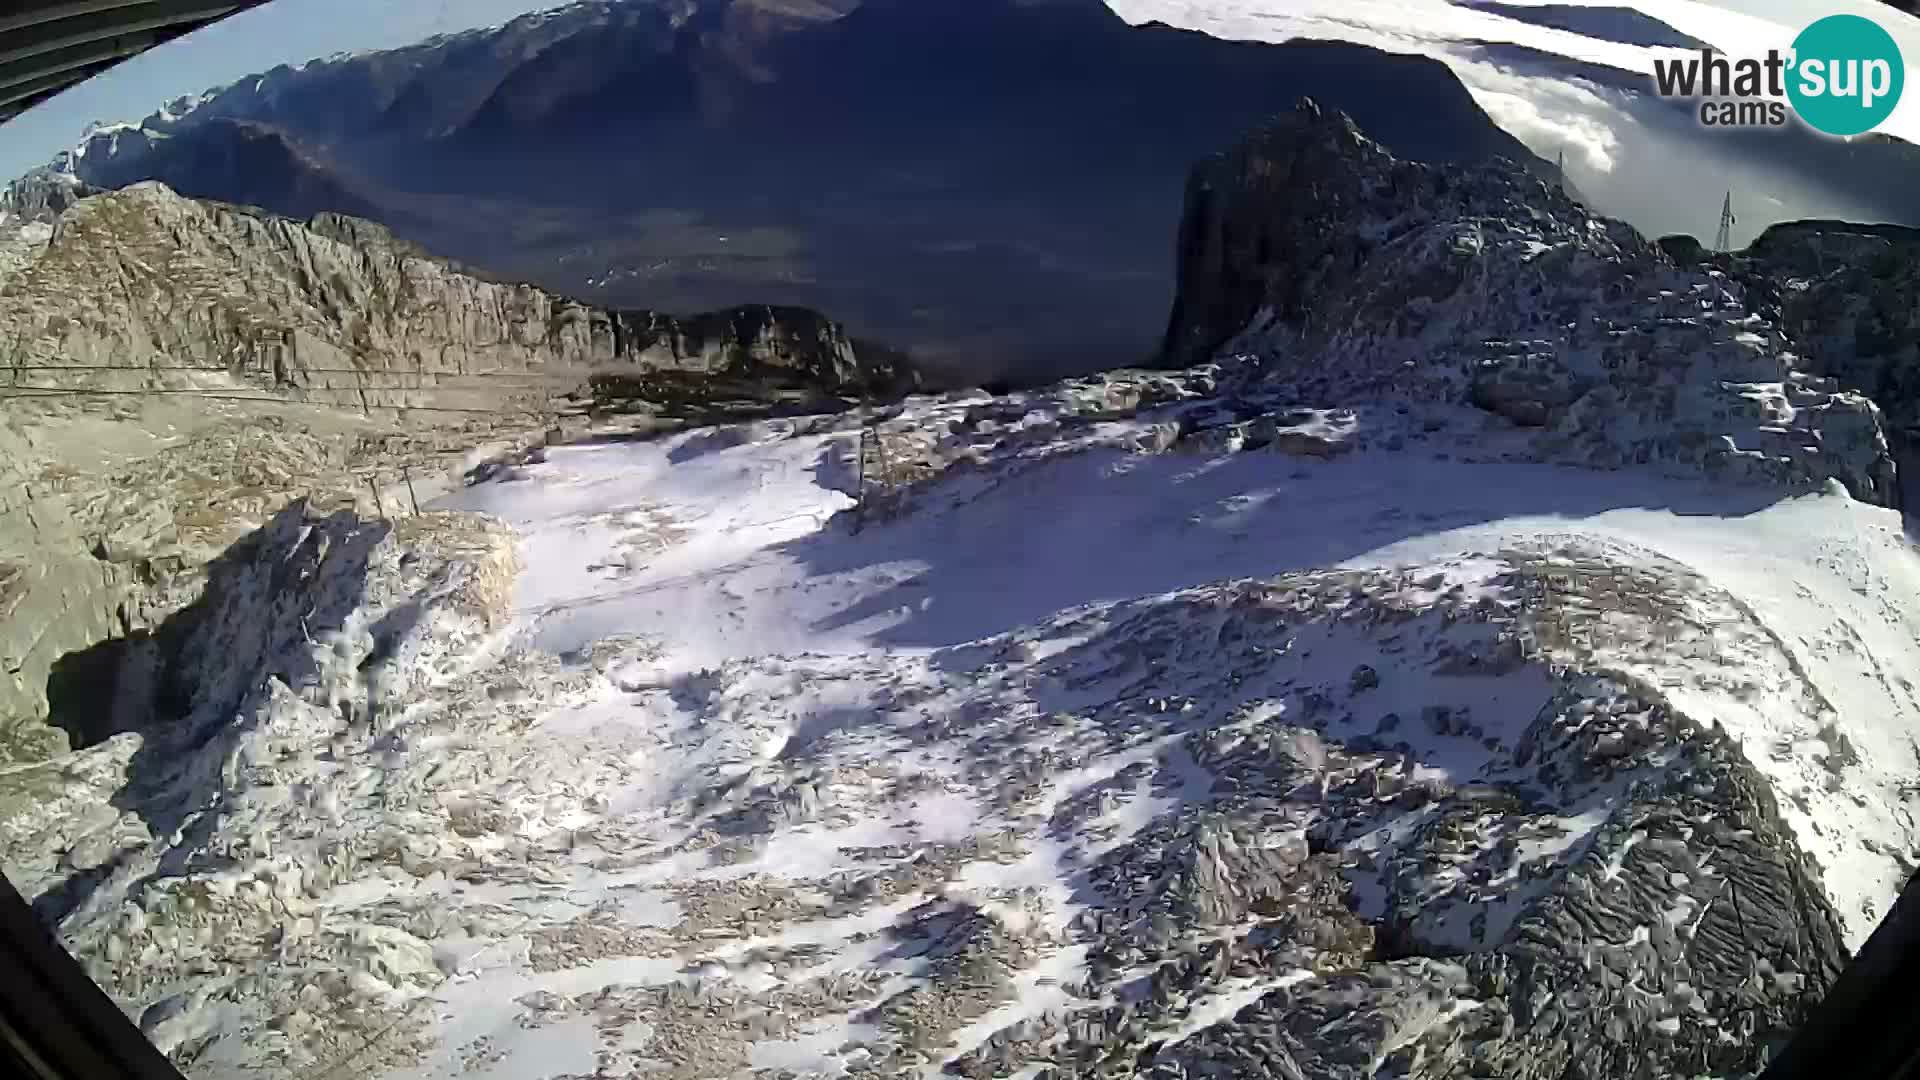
(141, 288)
(144, 288)
(1354, 275)
(115, 510)
(314, 628)
(54, 597)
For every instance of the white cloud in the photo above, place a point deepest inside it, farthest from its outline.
(1549, 115)
(1617, 155)
(1435, 27)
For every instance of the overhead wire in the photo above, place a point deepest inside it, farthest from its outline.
(47, 392)
(408, 381)
(242, 372)
(382, 388)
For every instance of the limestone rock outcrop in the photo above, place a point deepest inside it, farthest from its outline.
(143, 289)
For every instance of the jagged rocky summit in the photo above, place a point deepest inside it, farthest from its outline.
(1355, 275)
(29, 206)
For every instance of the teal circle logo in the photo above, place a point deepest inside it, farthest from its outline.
(1847, 75)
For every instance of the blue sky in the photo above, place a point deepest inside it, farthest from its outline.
(282, 32)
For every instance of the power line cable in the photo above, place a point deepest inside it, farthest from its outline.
(242, 372)
(63, 391)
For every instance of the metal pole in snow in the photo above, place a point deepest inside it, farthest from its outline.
(860, 481)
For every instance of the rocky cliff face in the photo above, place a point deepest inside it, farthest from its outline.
(114, 509)
(55, 598)
(143, 288)
(28, 208)
(315, 626)
(1357, 275)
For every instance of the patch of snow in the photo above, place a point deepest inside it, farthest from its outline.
(752, 564)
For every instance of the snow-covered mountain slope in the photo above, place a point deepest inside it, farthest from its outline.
(1095, 757)
(1128, 750)
(657, 538)
(1254, 718)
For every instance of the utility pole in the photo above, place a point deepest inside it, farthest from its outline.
(1723, 239)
